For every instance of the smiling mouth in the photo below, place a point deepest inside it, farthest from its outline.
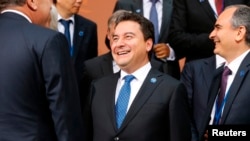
(123, 52)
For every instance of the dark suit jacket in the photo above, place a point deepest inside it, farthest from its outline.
(197, 76)
(159, 111)
(96, 68)
(136, 6)
(38, 93)
(191, 24)
(85, 43)
(236, 110)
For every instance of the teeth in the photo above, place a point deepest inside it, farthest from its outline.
(123, 52)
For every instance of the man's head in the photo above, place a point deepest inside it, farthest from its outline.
(67, 8)
(231, 32)
(37, 10)
(132, 41)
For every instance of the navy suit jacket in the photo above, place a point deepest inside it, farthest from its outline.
(191, 24)
(93, 69)
(236, 110)
(136, 6)
(159, 111)
(38, 89)
(85, 43)
(197, 76)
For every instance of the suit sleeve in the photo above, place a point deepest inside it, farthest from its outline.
(61, 90)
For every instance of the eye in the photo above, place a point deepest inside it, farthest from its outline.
(115, 38)
(128, 37)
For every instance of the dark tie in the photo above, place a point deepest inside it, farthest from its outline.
(66, 24)
(220, 100)
(154, 19)
(223, 85)
(219, 6)
(123, 99)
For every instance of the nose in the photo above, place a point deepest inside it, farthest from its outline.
(212, 34)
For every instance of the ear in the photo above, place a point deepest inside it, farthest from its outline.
(149, 44)
(32, 4)
(241, 33)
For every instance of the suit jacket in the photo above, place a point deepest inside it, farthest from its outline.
(85, 43)
(38, 92)
(197, 76)
(191, 24)
(236, 110)
(160, 110)
(93, 69)
(136, 6)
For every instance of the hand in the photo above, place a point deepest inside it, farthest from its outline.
(161, 50)
(206, 136)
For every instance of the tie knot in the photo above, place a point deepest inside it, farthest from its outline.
(227, 71)
(154, 1)
(128, 78)
(65, 23)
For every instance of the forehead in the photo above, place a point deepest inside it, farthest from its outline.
(226, 16)
(127, 26)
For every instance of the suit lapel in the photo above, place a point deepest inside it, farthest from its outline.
(110, 98)
(236, 85)
(211, 98)
(79, 33)
(207, 8)
(143, 95)
(208, 70)
(166, 15)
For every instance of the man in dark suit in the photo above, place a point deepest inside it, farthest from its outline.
(157, 104)
(231, 36)
(164, 55)
(197, 77)
(191, 23)
(38, 93)
(83, 33)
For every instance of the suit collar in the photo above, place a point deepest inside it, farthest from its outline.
(151, 82)
(208, 9)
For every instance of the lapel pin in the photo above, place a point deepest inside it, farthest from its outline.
(242, 73)
(138, 10)
(153, 80)
(81, 33)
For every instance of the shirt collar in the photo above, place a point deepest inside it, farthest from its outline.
(17, 12)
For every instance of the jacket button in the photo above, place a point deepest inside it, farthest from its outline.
(116, 139)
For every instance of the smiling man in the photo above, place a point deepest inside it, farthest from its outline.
(155, 105)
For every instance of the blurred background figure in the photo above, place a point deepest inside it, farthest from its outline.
(81, 33)
(38, 88)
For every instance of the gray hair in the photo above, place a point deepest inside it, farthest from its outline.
(241, 17)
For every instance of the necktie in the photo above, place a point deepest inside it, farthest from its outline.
(123, 99)
(223, 85)
(154, 19)
(219, 6)
(221, 95)
(66, 24)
